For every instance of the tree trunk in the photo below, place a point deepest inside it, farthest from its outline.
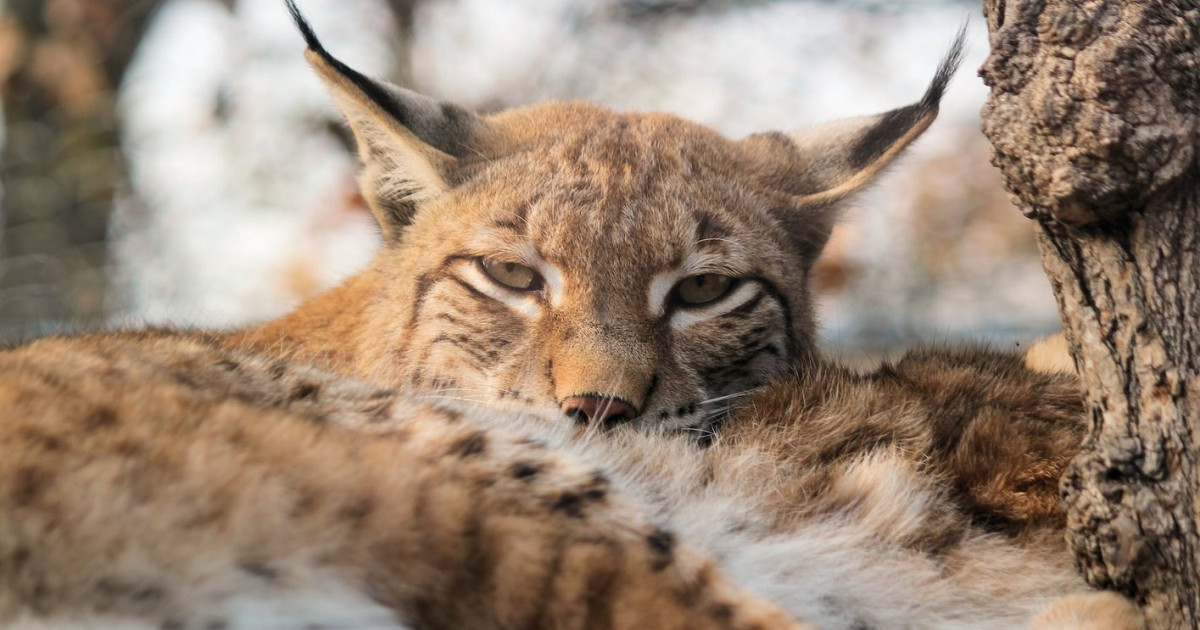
(61, 62)
(1094, 119)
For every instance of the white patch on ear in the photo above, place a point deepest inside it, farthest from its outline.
(819, 138)
(830, 146)
(525, 304)
(398, 166)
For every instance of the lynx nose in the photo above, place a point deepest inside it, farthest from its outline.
(593, 409)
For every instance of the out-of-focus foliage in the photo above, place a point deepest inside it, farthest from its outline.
(60, 62)
(638, 10)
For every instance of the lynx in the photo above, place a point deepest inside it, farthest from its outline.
(649, 436)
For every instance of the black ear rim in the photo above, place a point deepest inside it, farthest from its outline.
(372, 89)
(894, 124)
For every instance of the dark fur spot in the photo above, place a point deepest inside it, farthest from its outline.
(709, 227)
(525, 471)
(470, 446)
(129, 448)
(690, 591)
(28, 483)
(259, 569)
(229, 365)
(569, 503)
(42, 440)
(115, 588)
(306, 391)
(598, 489)
(186, 379)
(206, 516)
(379, 413)
(662, 546)
(358, 511)
(100, 418)
(20, 557)
(277, 370)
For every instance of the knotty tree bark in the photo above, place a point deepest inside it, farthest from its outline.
(1094, 119)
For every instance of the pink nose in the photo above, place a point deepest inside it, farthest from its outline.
(592, 409)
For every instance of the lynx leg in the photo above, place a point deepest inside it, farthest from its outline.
(130, 498)
(1050, 355)
(1104, 610)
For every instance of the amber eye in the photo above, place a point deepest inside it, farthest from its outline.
(512, 275)
(703, 288)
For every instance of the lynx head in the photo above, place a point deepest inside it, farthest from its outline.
(609, 266)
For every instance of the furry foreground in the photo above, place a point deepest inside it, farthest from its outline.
(659, 444)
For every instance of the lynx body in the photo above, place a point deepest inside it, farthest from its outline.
(577, 388)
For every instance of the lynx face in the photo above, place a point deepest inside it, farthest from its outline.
(612, 260)
(606, 266)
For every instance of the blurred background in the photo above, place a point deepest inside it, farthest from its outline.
(176, 162)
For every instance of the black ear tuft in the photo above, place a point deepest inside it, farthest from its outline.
(946, 70)
(310, 37)
(372, 89)
(897, 122)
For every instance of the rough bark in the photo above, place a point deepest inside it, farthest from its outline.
(61, 62)
(1094, 118)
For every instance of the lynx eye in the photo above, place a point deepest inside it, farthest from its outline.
(512, 275)
(703, 288)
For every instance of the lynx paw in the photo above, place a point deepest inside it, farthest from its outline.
(1104, 610)
(1051, 355)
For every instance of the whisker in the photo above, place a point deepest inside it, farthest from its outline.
(727, 397)
(453, 398)
(715, 239)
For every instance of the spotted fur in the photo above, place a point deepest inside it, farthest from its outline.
(157, 479)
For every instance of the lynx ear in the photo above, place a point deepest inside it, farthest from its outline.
(839, 158)
(410, 144)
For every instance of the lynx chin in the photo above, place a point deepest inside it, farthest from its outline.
(579, 387)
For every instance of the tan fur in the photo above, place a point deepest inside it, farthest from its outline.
(137, 481)
(1093, 611)
(1051, 355)
(322, 470)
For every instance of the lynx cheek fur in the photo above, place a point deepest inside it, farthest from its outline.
(611, 221)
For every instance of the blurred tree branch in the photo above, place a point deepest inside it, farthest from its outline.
(651, 10)
(61, 62)
(404, 13)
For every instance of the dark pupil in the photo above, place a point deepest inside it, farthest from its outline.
(509, 267)
(701, 280)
